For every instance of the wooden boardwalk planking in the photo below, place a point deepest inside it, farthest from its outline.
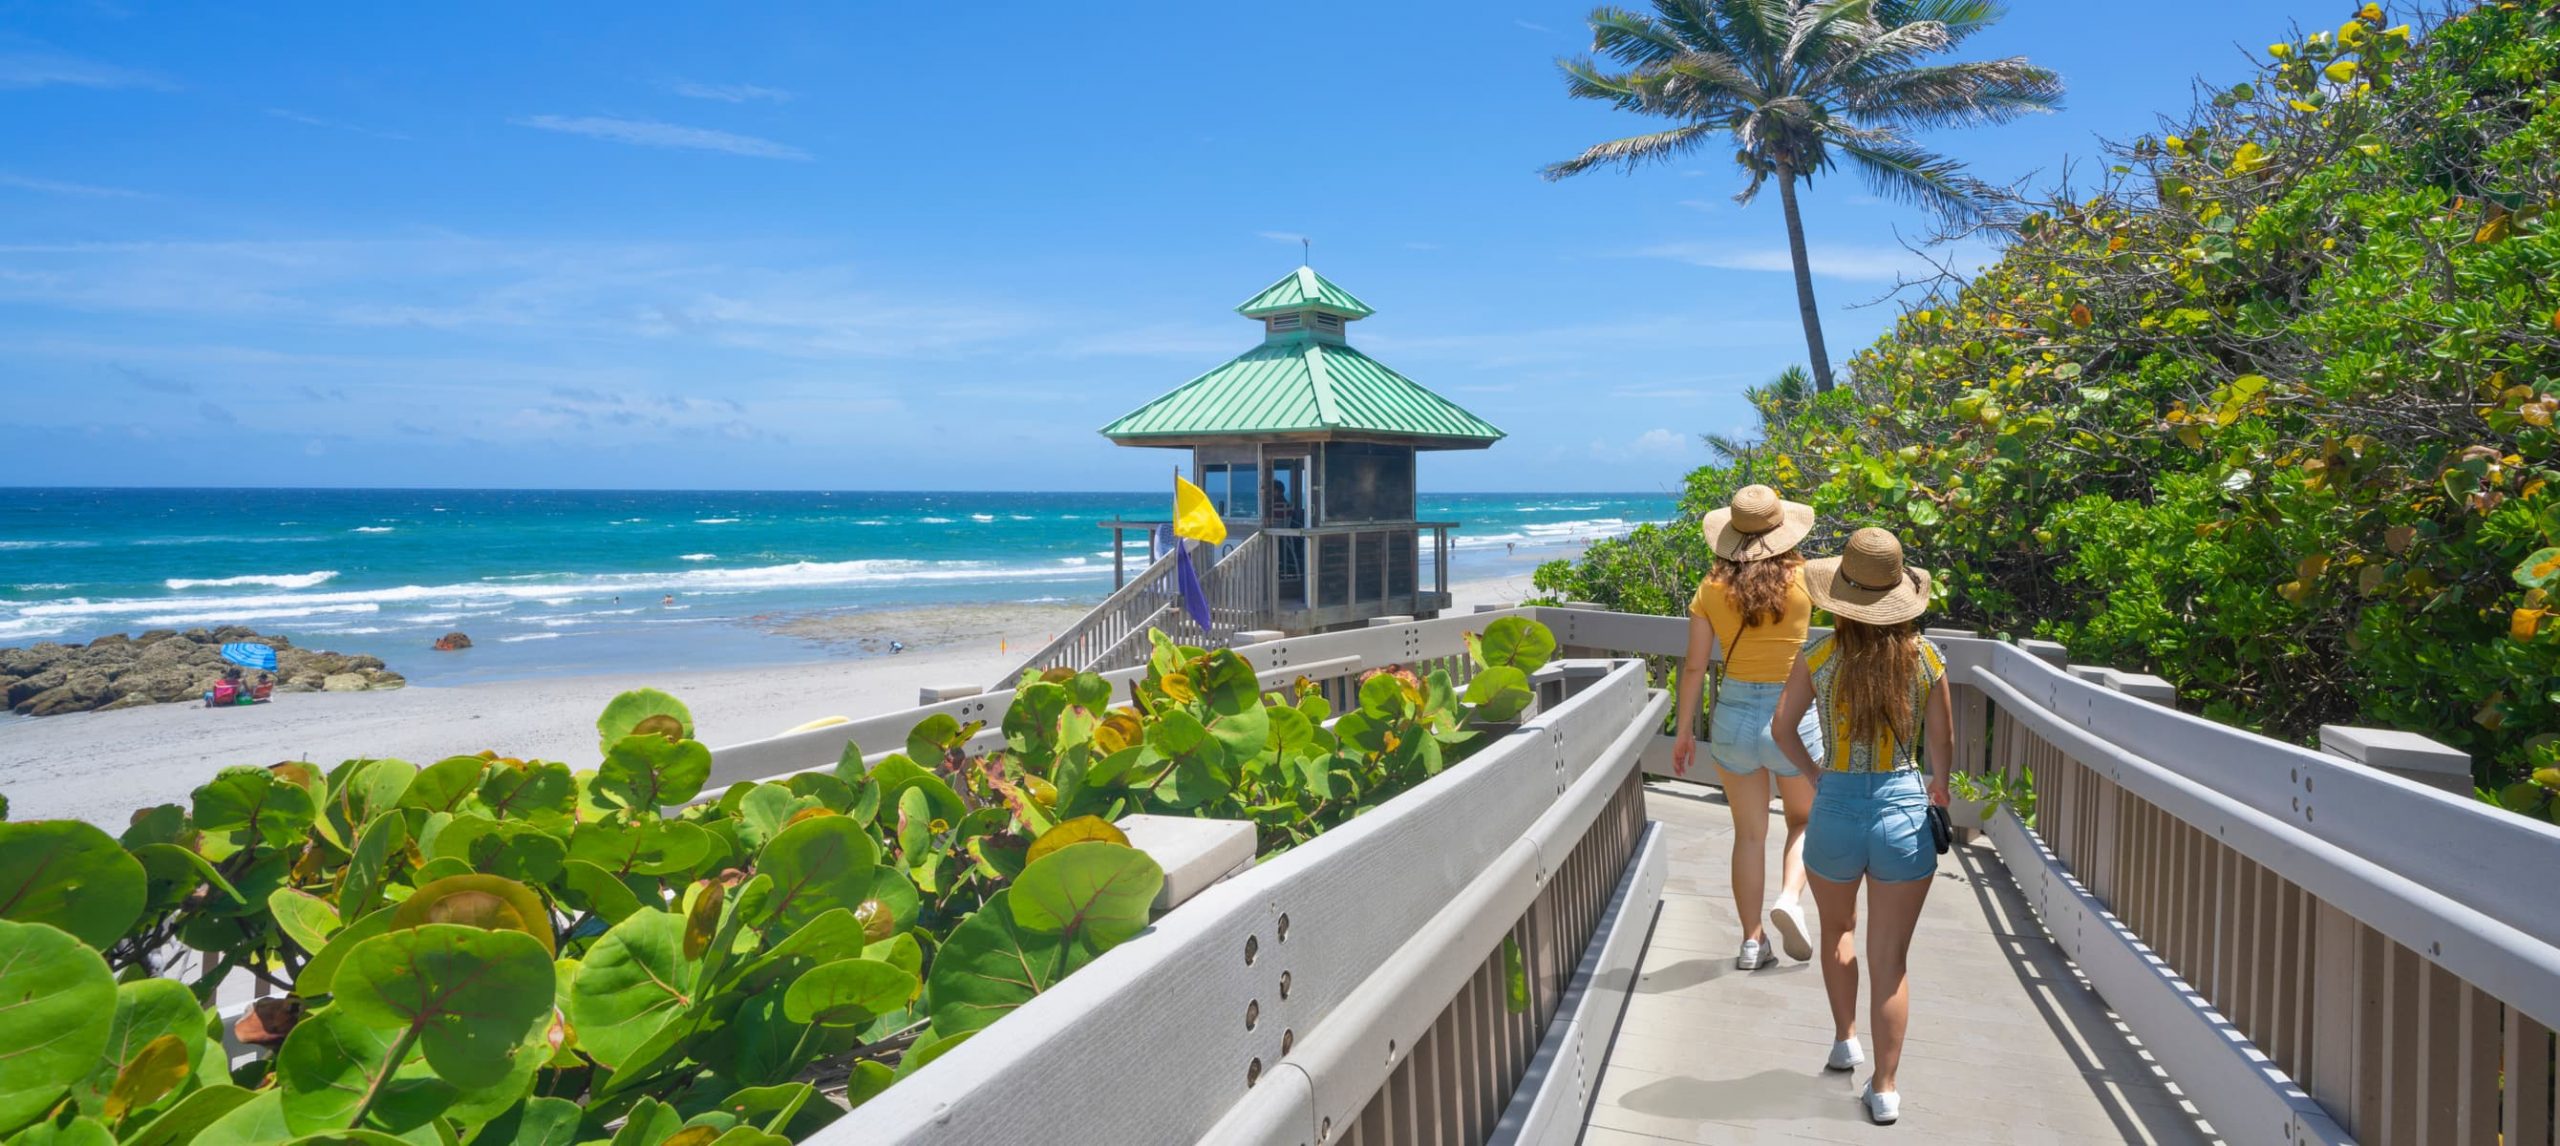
(2006, 1043)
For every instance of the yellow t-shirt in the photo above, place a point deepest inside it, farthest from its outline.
(1761, 653)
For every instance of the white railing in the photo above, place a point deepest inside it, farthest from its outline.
(2317, 951)
(2313, 950)
(1348, 988)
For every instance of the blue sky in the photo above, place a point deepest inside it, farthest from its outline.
(893, 245)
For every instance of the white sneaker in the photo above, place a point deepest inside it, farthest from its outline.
(1883, 1106)
(1845, 1055)
(1786, 917)
(1754, 956)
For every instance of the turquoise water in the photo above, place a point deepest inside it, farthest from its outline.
(549, 581)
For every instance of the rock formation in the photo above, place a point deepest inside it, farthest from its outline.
(164, 666)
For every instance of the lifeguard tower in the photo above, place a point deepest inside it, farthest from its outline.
(1308, 447)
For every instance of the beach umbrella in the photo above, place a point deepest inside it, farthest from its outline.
(248, 655)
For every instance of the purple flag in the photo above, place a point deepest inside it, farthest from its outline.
(1195, 600)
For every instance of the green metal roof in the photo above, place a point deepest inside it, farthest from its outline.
(1300, 384)
(1304, 289)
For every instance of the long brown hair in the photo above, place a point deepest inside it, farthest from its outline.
(1758, 589)
(1878, 665)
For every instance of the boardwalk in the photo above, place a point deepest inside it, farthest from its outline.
(2007, 1045)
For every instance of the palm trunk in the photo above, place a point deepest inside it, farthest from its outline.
(1804, 282)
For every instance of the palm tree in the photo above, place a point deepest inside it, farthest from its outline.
(1797, 84)
(1777, 403)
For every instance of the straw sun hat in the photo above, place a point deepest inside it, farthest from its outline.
(1756, 524)
(1868, 581)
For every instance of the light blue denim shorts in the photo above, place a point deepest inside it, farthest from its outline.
(1738, 730)
(1874, 824)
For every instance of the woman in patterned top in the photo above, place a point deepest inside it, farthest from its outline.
(1880, 690)
(1751, 613)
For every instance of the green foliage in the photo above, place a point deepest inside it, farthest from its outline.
(2270, 413)
(506, 951)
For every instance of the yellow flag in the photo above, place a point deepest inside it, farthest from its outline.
(1194, 517)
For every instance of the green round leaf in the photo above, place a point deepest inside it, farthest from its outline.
(848, 992)
(471, 994)
(244, 799)
(445, 784)
(647, 772)
(77, 1132)
(626, 713)
(818, 864)
(1516, 642)
(71, 875)
(182, 1122)
(485, 901)
(532, 1122)
(145, 1010)
(323, 967)
(1103, 890)
(257, 1122)
(61, 1005)
(306, 919)
(634, 981)
(1499, 693)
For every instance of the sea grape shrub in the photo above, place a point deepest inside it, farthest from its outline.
(497, 950)
(1198, 736)
(494, 950)
(2270, 412)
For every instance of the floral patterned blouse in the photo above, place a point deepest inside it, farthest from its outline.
(1882, 754)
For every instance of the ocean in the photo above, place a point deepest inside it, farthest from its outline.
(550, 582)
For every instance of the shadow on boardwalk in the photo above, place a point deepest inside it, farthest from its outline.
(2006, 1044)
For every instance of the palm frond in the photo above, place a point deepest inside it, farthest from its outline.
(1583, 80)
(1909, 173)
(1961, 18)
(1956, 95)
(1633, 39)
(1634, 151)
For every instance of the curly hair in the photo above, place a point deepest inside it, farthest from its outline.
(1759, 588)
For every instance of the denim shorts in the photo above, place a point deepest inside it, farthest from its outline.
(1874, 824)
(1738, 730)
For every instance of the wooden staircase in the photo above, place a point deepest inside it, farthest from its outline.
(1114, 634)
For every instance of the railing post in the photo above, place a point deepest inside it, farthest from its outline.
(2403, 754)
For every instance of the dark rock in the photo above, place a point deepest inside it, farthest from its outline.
(43, 682)
(110, 640)
(170, 651)
(90, 685)
(364, 663)
(155, 636)
(452, 641)
(55, 702)
(304, 682)
(234, 633)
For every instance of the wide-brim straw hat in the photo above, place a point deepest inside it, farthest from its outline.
(1756, 524)
(1868, 581)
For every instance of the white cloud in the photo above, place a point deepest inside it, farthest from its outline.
(1525, 25)
(290, 116)
(1859, 264)
(651, 133)
(1649, 446)
(743, 296)
(730, 93)
(37, 69)
(58, 187)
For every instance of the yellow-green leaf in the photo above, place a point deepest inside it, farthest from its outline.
(148, 1076)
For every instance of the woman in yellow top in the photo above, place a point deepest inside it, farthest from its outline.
(1881, 691)
(1751, 611)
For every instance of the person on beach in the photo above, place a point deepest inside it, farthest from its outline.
(1880, 689)
(1751, 612)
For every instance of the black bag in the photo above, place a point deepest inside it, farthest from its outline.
(1942, 831)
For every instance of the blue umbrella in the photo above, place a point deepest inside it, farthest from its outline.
(250, 655)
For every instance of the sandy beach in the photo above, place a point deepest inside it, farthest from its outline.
(100, 766)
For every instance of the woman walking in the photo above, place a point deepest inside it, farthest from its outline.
(1751, 611)
(1881, 692)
